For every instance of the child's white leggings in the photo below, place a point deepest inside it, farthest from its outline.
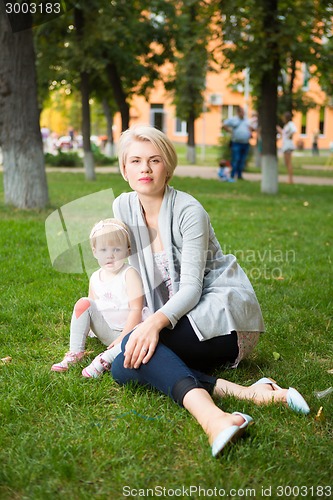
(87, 317)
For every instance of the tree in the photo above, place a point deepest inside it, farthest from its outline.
(63, 61)
(88, 159)
(135, 40)
(125, 45)
(268, 99)
(191, 65)
(255, 46)
(271, 44)
(109, 113)
(25, 184)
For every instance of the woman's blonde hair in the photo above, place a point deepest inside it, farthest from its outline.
(110, 230)
(156, 138)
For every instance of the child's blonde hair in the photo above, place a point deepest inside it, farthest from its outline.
(110, 230)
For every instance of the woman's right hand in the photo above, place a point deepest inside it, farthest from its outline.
(143, 340)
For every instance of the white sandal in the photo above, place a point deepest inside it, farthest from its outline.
(230, 434)
(295, 400)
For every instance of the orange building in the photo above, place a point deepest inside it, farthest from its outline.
(221, 98)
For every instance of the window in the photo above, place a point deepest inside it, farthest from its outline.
(157, 116)
(228, 110)
(181, 127)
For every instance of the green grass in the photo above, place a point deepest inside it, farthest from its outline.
(303, 162)
(65, 436)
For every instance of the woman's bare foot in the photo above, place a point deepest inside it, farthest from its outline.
(258, 393)
(212, 419)
(218, 425)
(266, 393)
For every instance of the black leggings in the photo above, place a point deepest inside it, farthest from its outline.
(203, 355)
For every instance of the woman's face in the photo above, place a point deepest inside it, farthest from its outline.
(145, 169)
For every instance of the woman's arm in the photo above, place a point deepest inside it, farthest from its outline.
(194, 227)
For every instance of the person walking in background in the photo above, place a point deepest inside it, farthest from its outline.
(315, 148)
(45, 132)
(288, 146)
(241, 132)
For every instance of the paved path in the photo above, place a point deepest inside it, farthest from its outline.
(207, 173)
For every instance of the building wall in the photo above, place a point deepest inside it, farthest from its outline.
(220, 101)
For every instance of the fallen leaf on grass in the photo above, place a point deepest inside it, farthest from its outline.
(7, 359)
(320, 417)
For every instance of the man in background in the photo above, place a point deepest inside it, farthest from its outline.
(241, 132)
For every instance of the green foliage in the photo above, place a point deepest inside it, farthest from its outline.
(73, 159)
(301, 33)
(188, 82)
(326, 63)
(64, 436)
(225, 149)
(301, 101)
(101, 159)
(70, 159)
(122, 35)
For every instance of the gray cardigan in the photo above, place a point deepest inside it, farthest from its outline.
(208, 286)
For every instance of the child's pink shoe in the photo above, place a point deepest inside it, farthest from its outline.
(96, 368)
(70, 359)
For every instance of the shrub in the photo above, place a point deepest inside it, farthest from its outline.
(100, 158)
(224, 149)
(70, 159)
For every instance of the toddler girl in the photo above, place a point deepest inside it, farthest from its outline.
(114, 305)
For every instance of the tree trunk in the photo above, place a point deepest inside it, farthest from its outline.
(257, 155)
(25, 184)
(88, 159)
(291, 86)
(119, 95)
(191, 153)
(268, 107)
(109, 147)
(267, 117)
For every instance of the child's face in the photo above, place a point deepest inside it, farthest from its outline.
(110, 255)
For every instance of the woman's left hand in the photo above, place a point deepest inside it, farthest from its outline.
(143, 340)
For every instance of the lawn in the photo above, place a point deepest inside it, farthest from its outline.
(63, 436)
(303, 162)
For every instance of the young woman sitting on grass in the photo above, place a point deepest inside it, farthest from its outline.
(205, 312)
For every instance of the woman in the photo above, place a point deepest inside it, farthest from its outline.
(205, 310)
(288, 145)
